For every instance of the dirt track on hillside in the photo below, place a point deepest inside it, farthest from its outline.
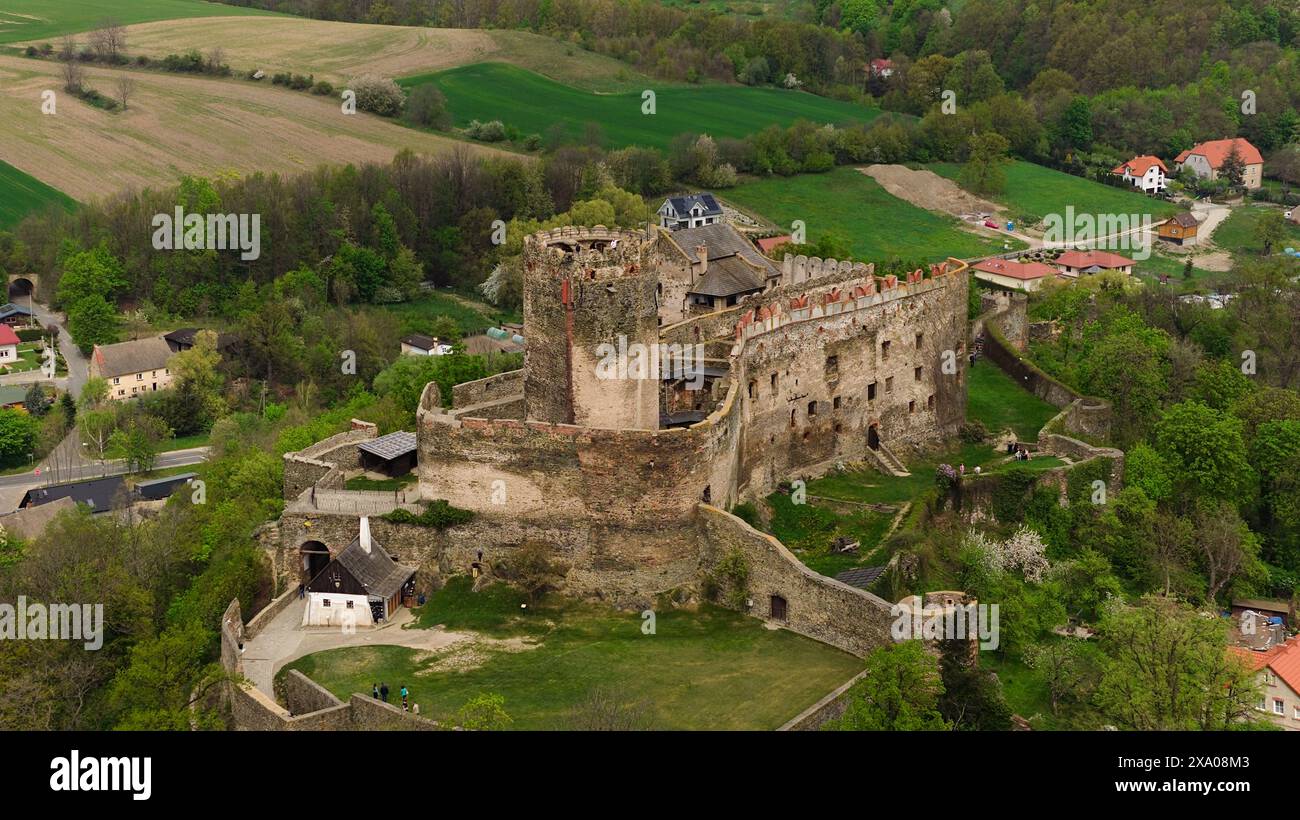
(928, 190)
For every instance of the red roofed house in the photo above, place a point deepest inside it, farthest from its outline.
(1279, 670)
(1013, 275)
(881, 67)
(1145, 172)
(1074, 263)
(1205, 160)
(769, 243)
(8, 345)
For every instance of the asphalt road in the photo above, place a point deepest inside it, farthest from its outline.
(174, 458)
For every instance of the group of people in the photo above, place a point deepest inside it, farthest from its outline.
(379, 691)
(1018, 450)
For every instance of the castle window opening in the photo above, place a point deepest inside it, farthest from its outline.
(920, 339)
(792, 412)
(812, 408)
(839, 428)
(929, 403)
(773, 384)
(871, 392)
(753, 389)
(916, 374)
(889, 384)
(708, 494)
(884, 351)
(911, 406)
(835, 403)
(832, 368)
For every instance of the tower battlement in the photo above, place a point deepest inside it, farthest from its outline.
(588, 253)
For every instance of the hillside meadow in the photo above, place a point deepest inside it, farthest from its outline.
(854, 207)
(336, 51)
(182, 125)
(21, 194)
(47, 19)
(1038, 190)
(533, 103)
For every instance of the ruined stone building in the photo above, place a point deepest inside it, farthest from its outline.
(636, 422)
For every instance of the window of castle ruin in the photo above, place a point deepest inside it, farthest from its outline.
(871, 392)
(929, 403)
(911, 407)
(708, 494)
(884, 351)
(889, 384)
(916, 373)
(792, 418)
(835, 403)
(812, 408)
(832, 368)
(920, 338)
(838, 427)
(773, 384)
(753, 390)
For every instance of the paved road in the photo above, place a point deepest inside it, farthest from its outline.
(78, 365)
(91, 469)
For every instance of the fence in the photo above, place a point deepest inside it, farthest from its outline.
(362, 502)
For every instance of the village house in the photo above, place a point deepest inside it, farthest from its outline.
(361, 586)
(184, 338)
(690, 211)
(133, 368)
(710, 268)
(881, 67)
(8, 345)
(418, 344)
(1073, 264)
(1013, 275)
(770, 243)
(1278, 669)
(1206, 160)
(1180, 229)
(1145, 172)
(15, 315)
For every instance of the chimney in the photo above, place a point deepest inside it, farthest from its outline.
(701, 265)
(365, 534)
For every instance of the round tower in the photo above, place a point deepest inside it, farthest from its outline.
(591, 320)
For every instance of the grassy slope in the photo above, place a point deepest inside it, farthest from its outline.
(46, 19)
(856, 208)
(21, 194)
(998, 402)
(1237, 233)
(533, 103)
(710, 669)
(1035, 189)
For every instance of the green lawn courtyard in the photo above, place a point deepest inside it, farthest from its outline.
(705, 668)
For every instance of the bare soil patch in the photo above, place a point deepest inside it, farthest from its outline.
(928, 190)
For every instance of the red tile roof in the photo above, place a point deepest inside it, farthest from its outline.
(1138, 166)
(7, 335)
(768, 243)
(1283, 659)
(1016, 270)
(1086, 259)
(1216, 151)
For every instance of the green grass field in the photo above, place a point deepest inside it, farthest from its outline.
(996, 401)
(705, 669)
(472, 316)
(854, 207)
(532, 103)
(1236, 234)
(1037, 190)
(39, 19)
(21, 195)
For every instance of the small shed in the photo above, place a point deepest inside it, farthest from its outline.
(159, 488)
(393, 454)
(1180, 229)
(98, 494)
(361, 586)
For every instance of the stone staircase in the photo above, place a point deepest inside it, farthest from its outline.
(888, 463)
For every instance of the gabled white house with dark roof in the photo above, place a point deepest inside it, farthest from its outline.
(690, 211)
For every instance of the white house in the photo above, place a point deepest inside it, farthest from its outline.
(690, 211)
(8, 345)
(362, 586)
(417, 344)
(1145, 172)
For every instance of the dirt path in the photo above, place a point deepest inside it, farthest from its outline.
(928, 190)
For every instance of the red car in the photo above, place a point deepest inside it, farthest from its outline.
(989, 223)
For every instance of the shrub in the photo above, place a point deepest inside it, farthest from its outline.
(533, 142)
(142, 60)
(281, 78)
(31, 51)
(323, 88)
(493, 131)
(438, 515)
(300, 82)
(378, 95)
(427, 107)
(974, 432)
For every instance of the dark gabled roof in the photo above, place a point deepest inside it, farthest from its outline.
(729, 276)
(10, 309)
(186, 336)
(421, 341)
(125, 358)
(860, 577)
(722, 240)
(391, 446)
(683, 204)
(158, 488)
(97, 493)
(1185, 219)
(375, 570)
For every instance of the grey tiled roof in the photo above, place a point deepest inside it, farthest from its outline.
(729, 276)
(860, 577)
(722, 240)
(391, 446)
(683, 204)
(125, 358)
(376, 569)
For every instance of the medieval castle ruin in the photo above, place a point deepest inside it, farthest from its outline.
(642, 414)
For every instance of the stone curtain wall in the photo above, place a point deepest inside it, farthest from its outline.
(816, 606)
(999, 351)
(309, 466)
(493, 388)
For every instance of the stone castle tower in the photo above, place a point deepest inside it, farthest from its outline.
(587, 292)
